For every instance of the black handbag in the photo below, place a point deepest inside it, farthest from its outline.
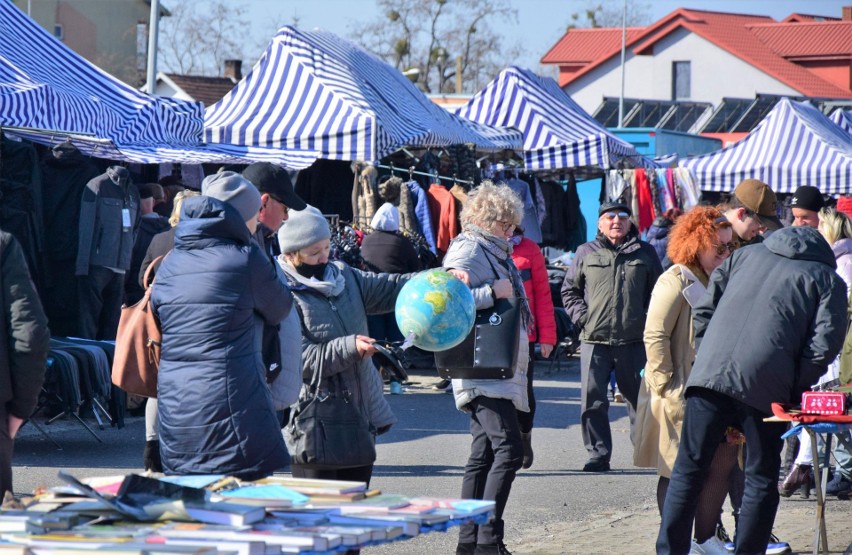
(326, 430)
(490, 350)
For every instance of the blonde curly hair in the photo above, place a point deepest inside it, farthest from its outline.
(178, 203)
(489, 203)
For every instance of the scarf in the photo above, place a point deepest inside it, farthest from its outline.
(501, 249)
(330, 286)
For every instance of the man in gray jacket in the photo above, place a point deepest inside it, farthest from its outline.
(606, 293)
(772, 319)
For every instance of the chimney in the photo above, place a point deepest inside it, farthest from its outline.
(234, 69)
(847, 13)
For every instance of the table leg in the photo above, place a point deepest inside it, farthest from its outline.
(820, 535)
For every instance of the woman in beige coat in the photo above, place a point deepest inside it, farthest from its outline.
(699, 242)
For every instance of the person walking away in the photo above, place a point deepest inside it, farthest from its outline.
(212, 295)
(529, 260)
(606, 293)
(23, 350)
(753, 350)
(481, 256)
(698, 243)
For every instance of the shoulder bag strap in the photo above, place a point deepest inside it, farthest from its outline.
(316, 379)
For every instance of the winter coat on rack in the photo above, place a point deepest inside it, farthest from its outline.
(109, 218)
(530, 262)
(445, 218)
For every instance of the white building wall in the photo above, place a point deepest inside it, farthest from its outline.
(715, 73)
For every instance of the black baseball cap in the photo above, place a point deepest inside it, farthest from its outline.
(274, 181)
(614, 205)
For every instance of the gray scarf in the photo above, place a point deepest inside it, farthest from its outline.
(332, 282)
(501, 249)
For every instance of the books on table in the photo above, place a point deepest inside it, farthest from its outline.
(266, 495)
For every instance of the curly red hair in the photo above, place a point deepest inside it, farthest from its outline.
(693, 232)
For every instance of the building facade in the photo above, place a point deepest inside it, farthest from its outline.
(112, 34)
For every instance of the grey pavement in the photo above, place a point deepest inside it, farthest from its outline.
(554, 507)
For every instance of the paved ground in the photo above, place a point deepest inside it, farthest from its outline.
(554, 508)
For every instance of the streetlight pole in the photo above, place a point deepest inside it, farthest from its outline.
(623, 49)
(153, 33)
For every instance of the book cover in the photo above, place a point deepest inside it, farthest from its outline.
(376, 504)
(267, 495)
(234, 514)
(461, 506)
(310, 486)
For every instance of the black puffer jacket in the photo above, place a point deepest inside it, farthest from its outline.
(212, 295)
(773, 318)
(607, 289)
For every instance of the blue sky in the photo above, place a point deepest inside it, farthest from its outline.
(540, 22)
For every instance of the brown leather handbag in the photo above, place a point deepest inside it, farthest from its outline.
(137, 345)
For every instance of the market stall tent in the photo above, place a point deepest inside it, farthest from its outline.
(558, 134)
(315, 91)
(794, 145)
(843, 118)
(49, 94)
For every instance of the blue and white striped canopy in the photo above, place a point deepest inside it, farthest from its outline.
(794, 145)
(159, 154)
(843, 118)
(315, 91)
(558, 134)
(45, 85)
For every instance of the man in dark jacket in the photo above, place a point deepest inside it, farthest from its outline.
(24, 344)
(606, 293)
(773, 318)
(213, 294)
(277, 198)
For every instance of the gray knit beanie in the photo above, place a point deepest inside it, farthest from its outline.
(302, 229)
(234, 189)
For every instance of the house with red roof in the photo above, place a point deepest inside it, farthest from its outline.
(700, 58)
(201, 88)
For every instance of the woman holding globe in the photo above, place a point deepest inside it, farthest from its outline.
(333, 301)
(481, 254)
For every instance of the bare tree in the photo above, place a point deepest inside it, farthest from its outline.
(609, 14)
(198, 38)
(437, 38)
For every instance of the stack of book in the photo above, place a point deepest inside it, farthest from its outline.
(219, 514)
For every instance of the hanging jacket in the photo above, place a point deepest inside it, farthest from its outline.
(212, 295)
(106, 230)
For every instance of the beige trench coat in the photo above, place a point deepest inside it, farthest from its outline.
(670, 348)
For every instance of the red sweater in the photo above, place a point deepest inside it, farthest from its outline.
(530, 263)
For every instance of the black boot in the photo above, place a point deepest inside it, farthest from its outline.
(799, 477)
(151, 456)
(528, 450)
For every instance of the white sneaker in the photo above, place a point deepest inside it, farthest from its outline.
(713, 546)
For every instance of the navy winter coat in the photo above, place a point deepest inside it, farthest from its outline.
(212, 295)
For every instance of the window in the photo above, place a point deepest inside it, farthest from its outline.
(681, 80)
(58, 32)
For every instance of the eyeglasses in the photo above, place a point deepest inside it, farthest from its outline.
(723, 247)
(506, 226)
(614, 215)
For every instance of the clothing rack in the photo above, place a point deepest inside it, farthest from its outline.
(411, 172)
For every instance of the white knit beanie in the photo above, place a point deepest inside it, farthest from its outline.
(302, 229)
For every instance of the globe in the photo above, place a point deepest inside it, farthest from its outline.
(435, 310)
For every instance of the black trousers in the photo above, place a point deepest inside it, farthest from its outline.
(100, 295)
(596, 364)
(708, 414)
(496, 454)
(525, 419)
(6, 448)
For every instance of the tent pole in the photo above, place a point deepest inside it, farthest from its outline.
(623, 48)
(153, 35)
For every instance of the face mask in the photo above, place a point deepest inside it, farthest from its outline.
(516, 239)
(316, 271)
